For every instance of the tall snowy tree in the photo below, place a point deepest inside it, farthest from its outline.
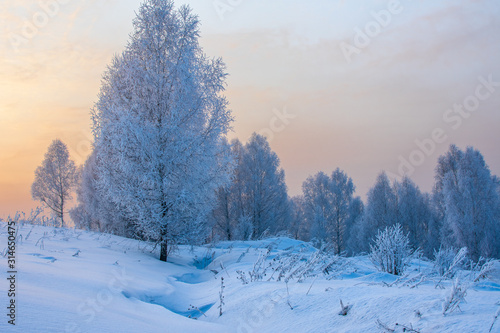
(94, 210)
(298, 227)
(55, 179)
(472, 204)
(159, 125)
(447, 163)
(83, 214)
(327, 207)
(241, 212)
(318, 206)
(265, 198)
(380, 211)
(226, 211)
(342, 189)
(222, 215)
(354, 225)
(415, 215)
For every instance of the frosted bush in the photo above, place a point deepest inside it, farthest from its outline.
(447, 261)
(391, 252)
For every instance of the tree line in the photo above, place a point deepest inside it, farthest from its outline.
(463, 209)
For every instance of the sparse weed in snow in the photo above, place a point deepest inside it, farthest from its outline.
(289, 265)
(192, 307)
(443, 259)
(242, 276)
(203, 262)
(397, 328)
(482, 269)
(344, 309)
(494, 320)
(29, 233)
(408, 280)
(41, 241)
(449, 269)
(221, 296)
(455, 297)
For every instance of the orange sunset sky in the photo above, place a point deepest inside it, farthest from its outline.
(362, 111)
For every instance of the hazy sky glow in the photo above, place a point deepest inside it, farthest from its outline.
(283, 57)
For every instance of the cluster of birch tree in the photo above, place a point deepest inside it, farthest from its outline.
(463, 209)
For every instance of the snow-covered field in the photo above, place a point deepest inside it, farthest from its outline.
(76, 281)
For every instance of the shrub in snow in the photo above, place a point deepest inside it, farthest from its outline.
(444, 259)
(450, 269)
(482, 269)
(391, 252)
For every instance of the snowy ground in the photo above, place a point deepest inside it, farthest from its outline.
(75, 281)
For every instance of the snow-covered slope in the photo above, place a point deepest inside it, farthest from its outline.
(76, 281)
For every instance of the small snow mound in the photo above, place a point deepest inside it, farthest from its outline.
(194, 278)
(169, 302)
(487, 286)
(378, 277)
(274, 243)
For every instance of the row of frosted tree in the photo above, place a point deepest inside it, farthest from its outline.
(162, 170)
(463, 209)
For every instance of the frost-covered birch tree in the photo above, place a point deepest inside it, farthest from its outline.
(472, 206)
(447, 164)
(226, 211)
(380, 211)
(159, 125)
(55, 179)
(327, 207)
(298, 227)
(265, 197)
(95, 211)
(415, 216)
(317, 205)
(256, 202)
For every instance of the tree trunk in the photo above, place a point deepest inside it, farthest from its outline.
(163, 250)
(62, 212)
